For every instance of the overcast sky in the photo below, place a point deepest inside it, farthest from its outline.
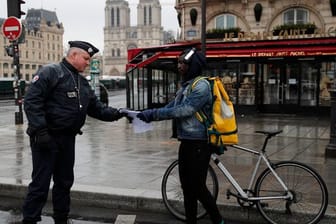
(84, 19)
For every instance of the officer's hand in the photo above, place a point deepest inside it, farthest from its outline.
(123, 111)
(42, 138)
(146, 115)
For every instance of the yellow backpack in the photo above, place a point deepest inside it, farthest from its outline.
(221, 125)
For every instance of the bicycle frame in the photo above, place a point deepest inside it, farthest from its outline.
(242, 194)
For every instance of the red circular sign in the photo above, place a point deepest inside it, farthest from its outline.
(12, 28)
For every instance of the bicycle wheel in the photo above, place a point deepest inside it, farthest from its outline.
(172, 194)
(310, 194)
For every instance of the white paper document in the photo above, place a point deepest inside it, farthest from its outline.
(139, 126)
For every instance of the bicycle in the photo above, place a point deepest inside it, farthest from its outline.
(280, 192)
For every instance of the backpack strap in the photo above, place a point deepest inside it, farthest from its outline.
(200, 115)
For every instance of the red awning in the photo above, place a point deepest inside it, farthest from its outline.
(142, 57)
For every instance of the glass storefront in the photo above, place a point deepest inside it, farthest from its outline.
(298, 81)
(279, 86)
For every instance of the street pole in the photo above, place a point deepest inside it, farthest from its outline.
(17, 83)
(331, 147)
(203, 26)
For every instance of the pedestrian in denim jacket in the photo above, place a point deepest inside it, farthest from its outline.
(194, 152)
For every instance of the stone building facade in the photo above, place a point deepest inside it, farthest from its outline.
(255, 19)
(43, 43)
(119, 35)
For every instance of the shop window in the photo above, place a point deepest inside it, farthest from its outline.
(225, 21)
(296, 16)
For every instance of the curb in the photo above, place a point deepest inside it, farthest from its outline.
(104, 200)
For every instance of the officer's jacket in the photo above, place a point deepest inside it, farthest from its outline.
(59, 98)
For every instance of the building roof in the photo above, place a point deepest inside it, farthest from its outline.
(35, 16)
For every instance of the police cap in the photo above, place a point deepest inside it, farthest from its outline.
(89, 48)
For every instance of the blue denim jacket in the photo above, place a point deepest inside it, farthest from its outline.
(183, 108)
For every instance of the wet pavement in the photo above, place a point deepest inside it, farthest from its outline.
(113, 160)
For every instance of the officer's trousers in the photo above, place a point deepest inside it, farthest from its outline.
(54, 161)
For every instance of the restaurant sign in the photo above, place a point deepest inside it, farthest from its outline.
(282, 35)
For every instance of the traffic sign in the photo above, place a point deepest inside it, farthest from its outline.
(12, 28)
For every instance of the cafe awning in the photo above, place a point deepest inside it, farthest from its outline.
(154, 56)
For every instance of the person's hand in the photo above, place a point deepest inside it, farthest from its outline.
(146, 115)
(42, 138)
(125, 114)
(116, 114)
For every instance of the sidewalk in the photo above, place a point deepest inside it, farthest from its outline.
(119, 169)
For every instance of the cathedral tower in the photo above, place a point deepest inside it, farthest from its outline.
(119, 35)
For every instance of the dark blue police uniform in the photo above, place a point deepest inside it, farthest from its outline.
(56, 106)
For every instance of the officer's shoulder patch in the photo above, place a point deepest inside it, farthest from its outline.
(36, 77)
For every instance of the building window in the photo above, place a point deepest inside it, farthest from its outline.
(118, 17)
(145, 15)
(118, 52)
(27, 66)
(5, 65)
(150, 15)
(113, 53)
(112, 17)
(225, 21)
(295, 16)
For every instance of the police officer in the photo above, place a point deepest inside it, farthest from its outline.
(56, 106)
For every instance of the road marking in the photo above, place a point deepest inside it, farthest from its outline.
(125, 219)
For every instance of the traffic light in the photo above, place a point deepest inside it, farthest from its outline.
(14, 8)
(10, 51)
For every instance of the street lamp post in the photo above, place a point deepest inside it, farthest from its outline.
(17, 84)
(203, 28)
(331, 147)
